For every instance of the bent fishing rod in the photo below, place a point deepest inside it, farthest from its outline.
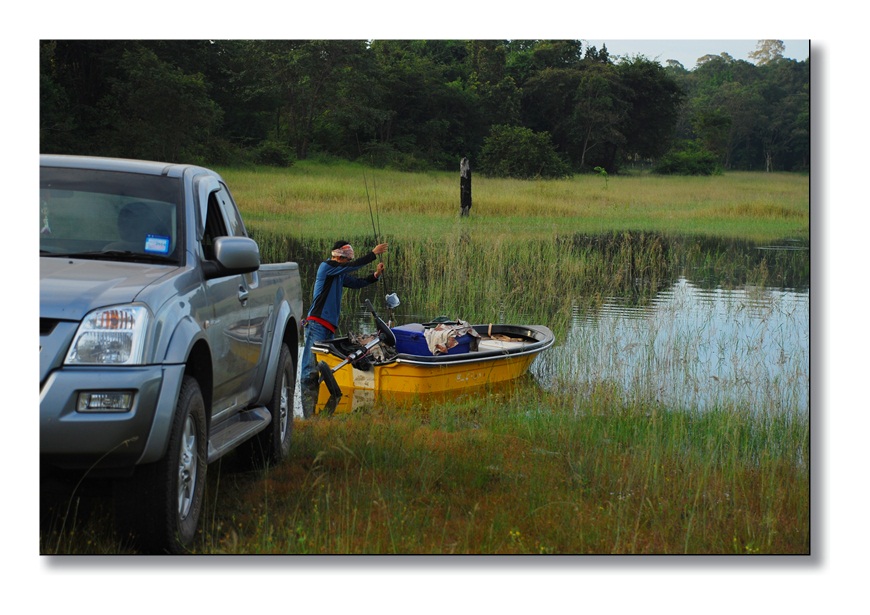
(391, 299)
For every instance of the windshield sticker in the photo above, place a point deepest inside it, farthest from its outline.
(157, 244)
(46, 229)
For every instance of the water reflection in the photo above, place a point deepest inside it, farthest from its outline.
(357, 399)
(693, 348)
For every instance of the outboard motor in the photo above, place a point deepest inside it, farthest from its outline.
(385, 336)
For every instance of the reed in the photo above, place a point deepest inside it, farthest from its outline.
(504, 279)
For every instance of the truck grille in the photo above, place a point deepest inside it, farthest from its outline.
(47, 325)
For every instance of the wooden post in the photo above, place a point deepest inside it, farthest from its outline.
(464, 187)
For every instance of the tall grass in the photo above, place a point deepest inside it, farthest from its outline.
(508, 279)
(522, 472)
(581, 468)
(526, 474)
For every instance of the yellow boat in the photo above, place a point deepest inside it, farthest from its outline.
(498, 353)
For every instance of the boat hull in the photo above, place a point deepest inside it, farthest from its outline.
(410, 375)
(402, 376)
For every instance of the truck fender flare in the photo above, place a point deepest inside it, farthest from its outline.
(187, 332)
(185, 336)
(282, 321)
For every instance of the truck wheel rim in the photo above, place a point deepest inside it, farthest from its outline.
(187, 466)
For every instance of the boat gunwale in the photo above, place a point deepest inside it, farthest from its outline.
(466, 357)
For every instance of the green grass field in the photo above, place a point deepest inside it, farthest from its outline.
(311, 200)
(567, 471)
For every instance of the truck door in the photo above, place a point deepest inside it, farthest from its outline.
(234, 358)
(261, 300)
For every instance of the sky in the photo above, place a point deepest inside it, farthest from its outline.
(687, 52)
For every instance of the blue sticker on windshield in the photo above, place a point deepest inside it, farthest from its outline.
(157, 244)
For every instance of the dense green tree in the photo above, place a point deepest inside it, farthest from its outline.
(752, 117)
(498, 93)
(784, 124)
(712, 127)
(309, 77)
(525, 58)
(514, 151)
(416, 104)
(654, 99)
(426, 116)
(557, 54)
(601, 109)
(597, 55)
(155, 110)
(687, 158)
(58, 120)
(243, 86)
(598, 112)
(548, 105)
(74, 78)
(675, 67)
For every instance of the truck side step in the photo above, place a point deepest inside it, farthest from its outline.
(230, 434)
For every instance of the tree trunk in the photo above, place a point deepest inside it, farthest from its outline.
(464, 187)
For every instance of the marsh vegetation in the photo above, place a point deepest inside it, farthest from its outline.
(672, 416)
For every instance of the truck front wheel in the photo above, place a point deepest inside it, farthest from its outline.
(163, 501)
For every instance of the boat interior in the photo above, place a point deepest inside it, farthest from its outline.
(492, 340)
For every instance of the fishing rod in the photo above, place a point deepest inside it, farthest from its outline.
(368, 197)
(391, 299)
(376, 232)
(377, 209)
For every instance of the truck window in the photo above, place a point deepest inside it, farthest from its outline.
(215, 227)
(231, 213)
(86, 212)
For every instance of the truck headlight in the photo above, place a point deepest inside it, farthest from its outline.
(110, 336)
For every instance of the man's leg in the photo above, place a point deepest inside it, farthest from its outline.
(309, 376)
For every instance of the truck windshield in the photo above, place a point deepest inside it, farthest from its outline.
(110, 215)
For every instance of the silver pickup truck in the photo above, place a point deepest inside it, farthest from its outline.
(164, 343)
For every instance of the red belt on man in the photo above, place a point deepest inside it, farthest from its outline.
(320, 321)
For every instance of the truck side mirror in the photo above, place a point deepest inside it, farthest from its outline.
(233, 255)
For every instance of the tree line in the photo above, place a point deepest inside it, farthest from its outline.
(515, 108)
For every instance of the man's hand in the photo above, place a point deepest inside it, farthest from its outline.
(380, 270)
(380, 248)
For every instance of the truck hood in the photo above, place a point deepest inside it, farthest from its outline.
(70, 288)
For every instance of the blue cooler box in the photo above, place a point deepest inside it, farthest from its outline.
(411, 340)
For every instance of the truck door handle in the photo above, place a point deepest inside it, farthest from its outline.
(243, 295)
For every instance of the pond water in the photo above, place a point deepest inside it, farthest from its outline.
(707, 335)
(693, 348)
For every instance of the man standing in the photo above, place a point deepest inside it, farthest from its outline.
(333, 276)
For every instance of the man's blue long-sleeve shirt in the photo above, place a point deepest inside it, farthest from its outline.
(331, 279)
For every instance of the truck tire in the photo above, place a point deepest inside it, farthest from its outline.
(163, 501)
(272, 445)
